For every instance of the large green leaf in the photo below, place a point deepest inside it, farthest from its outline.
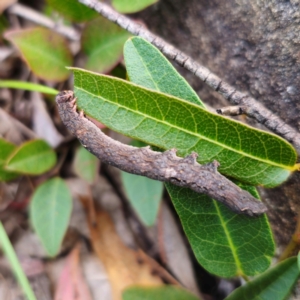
(223, 242)
(6, 149)
(73, 10)
(210, 227)
(102, 41)
(250, 155)
(33, 158)
(50, 210)
(165, 292)
(46, 52)
(131, 6)
(276, 283)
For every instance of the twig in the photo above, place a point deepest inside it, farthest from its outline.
(165, 166)
(254, 108)
(232, 110)
(34, 16)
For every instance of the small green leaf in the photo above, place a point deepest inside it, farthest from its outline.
(86, 165)
(28, 86)
(73, 10)
(204, 220)
(6, 149)
(165, 292)
(144, 195)
(50, 211)
(276, 283)
(46, 52)
(131, 6)
(224, 243)
(102, 42)
(33, 158)
(244, 153)
(147, 67)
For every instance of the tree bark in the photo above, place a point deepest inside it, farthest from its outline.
(254, 46)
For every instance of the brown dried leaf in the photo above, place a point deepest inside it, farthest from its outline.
(124, 266)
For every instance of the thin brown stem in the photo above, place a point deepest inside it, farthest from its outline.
(165, 166)
(38, 18)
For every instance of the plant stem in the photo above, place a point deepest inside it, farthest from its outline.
(162, 166)
(15, 264)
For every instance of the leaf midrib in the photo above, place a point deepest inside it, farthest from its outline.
(192, 133)
(230, 242)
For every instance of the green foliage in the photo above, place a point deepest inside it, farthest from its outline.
(165, 292)
(224, 243)
(147, 67)
(29, 86)
(244, 153)
(276, 283)
(34, 158)
(46, 52)
(6, 149)
(210, 226)
(73, 10)
(144, 195)
(11, 256)
(161, 109)
(86, 165)
(131, 6)
(102, 42)
(50, 211)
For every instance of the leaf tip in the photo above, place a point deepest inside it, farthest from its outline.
(296, 167)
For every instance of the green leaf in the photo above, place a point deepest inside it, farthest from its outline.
(29, 86)
(73, 10)
(204, 220)
(247, 154)
(276, 283)
(147, 67)
(46, 52)
(50, 211)
(131, 6)
(33, 158)
(86, 165)
(165, 292)
(6, 149)
(102, 42)
(144, 195)
(224, 243)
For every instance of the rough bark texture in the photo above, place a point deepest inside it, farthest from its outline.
(163, 166)
(253, 45)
